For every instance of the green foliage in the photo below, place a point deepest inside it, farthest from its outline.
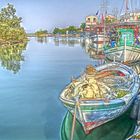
(63, 31)
(8, 16)
(56, 30)
(70, 29)
(41, 32)
(83, 26)
(108, 20)
(59, 31)
(10, 29)
(11, 56)
(13, 39)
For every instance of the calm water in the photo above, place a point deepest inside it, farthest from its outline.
(29, 100)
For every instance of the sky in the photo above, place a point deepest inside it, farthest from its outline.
(48, 14)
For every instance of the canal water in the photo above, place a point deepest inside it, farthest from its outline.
(30, 84)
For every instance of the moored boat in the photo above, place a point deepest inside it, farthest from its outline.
(101, 94)
(123, 47)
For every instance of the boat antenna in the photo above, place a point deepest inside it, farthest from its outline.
(104, 6)
(115, 12)
(131, 4)
(126, 6)
(122, 7)
(126, 10)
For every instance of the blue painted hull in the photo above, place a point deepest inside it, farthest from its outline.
(92, 113)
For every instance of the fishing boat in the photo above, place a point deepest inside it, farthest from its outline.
(101, 94)
(124, 36)
(122, 47)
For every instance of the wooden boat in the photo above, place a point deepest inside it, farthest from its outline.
(124, 49)
(101, 94)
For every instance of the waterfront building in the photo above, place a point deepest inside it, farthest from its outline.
(91, 21)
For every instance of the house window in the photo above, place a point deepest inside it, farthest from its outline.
(94, 19)
(88, 19)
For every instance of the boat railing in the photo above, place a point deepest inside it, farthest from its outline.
(94, 99)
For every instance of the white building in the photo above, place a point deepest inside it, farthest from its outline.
(91, 21)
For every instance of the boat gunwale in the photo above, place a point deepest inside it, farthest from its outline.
(98, 102)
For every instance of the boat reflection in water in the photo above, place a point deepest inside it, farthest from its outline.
(11, 57)
(93, 52)
(90, 49)
(95, 43)
(101, 94)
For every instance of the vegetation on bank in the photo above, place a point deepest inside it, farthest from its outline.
(13, 39)
(41, 33)
(68, 30)
(11, 31)
(61, 31)
(83, 26)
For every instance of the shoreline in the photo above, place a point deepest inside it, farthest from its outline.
(53, 35)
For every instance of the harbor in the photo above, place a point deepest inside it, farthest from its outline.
(105, 93)
(70, 70)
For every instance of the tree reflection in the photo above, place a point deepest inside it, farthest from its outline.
(56, 41)
(42, 39)
(11, 57)
(70, 41)
(67, 41)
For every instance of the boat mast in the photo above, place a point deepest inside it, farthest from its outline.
(126, 10)
(104, 6)
(126, 6)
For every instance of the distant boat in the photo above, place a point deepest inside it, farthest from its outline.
(101, 94)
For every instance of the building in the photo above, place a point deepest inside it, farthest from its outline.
(91, 21)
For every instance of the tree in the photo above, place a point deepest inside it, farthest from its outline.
(10, 29)
(41, 32)
(56, 31)
(13, 39)
(63, 31)
(83, 26)
(70, 29)
(8, 15)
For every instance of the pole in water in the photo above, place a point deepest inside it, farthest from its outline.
(74, 122)
(124, 50)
